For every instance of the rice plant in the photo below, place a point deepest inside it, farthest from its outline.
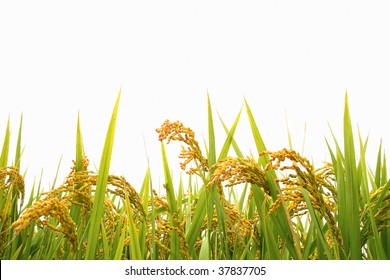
(273, 205)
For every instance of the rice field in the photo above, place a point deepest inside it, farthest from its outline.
(274, 205)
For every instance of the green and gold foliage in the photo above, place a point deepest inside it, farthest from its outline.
(271, 205)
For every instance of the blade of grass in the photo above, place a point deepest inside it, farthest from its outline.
(309, 245)
(229, 139)
(384, 171)
(264, 160)
(5, 150)
(378, 169)
(203, 201)
(171, 199)
(281, 220)
(144, 193)
(75, 209)
(101, 185)
(18, 151)
(216, 198)
(135, 248)
(79, 147)
(212, 154)
(204, 253)
(288, 131)
(351, 207)
(188, 210)
(153, 222)
(267, 228)
(386, 232)
(15, 256)
(317, 225)
(217, 201)
(119, 248)
(379, 252)
(106, 250)
(234, 143)
(15, 208)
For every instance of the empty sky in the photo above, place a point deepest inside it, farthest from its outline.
(287, 58)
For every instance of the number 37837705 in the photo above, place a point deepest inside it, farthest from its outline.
(242, 270)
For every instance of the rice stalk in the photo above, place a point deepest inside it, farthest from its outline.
(276, 206)
(98, 204)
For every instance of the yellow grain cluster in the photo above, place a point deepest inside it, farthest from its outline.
(235, 171)
(78, 190)
(12, 182)
(11, 190)
(380, 205)
(49, 207)
(178, 132)
(298, 174)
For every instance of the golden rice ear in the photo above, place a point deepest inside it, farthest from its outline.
(45, 208)
(317, 182)
(287, 209)
(237, 171)
(192, 153)
(11, 178)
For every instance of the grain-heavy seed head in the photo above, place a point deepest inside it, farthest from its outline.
(49, 207)
(178, 132)
(237, 171)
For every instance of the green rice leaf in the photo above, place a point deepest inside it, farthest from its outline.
(5, 150)
(377, 244)
(174, 237)
(197, 221)
(351, 206)
(106, 250)
(234, 143)
(135, 247)
(288, 133)
(212, 153)
(18, 152)
(75, 209)
(79, 147)
(263, 161)
(98, 204)
(204, 253)
(121, 243)
(229, 139)
(313, 215)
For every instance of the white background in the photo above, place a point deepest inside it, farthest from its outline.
(321, 270)
(287, 58)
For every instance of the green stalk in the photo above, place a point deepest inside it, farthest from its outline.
(280, 220)
(317, 224)
(98, 204)
(135, 247)
(4, 151)
(212, 154)
(153, 246)
(144, 193)
(234, 143)
(350, 207)
(18, 152)
(174, 236)
(75, 209)
(15, 208)
(229, 140)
